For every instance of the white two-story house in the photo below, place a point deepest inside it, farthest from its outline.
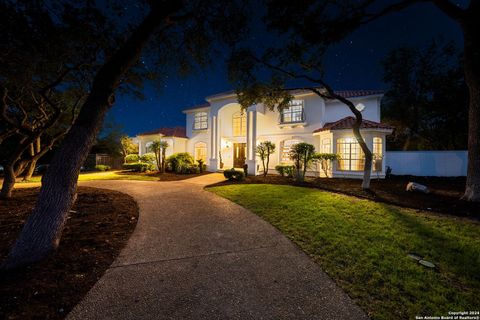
(225, 136)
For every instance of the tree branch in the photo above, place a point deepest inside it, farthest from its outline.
(451, 9)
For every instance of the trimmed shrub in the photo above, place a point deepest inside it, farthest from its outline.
(138, 166)
(132, 158)
(285, 170)
(181, 162)
(148, 158)
(193, 169)
(234, 175)
(102, 167)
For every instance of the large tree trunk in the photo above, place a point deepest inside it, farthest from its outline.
(28, 173)
(42, 232)
(14, 167)
(471, 31)
(8, 181)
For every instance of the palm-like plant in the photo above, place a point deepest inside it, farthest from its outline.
(264, 150)
(303, 155)
(163, 145)
(159, 148)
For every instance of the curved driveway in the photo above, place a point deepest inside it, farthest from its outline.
(194, 255)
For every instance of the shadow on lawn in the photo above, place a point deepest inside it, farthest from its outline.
(451, 254)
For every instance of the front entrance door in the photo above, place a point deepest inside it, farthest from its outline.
(239, 152)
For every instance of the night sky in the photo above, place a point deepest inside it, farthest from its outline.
(353, 64)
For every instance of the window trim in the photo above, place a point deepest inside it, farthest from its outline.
(292, 113)
(242, 116)
(286, 152)
(360, 156)
(200, 145)
(377, 150)
(200, 114)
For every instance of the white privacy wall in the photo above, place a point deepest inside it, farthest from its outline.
(427, 163)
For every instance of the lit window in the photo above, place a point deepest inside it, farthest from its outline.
(326, 146)
(201, 151)
(239, 124)
(287, 145)
(200, 121)
(148, 147)
(377, 154)
(294, 113)
(351, 155)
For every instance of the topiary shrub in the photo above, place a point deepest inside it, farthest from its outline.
(102, 167)
(148, 158)
(234, 175)
(132, 158)
(285, 170)
(180, 162)
(139, 166)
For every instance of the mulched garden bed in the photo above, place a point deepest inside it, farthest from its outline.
(166, 176)
(444, 196)
(93, 237)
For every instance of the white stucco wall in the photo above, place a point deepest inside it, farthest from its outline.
(428, 163)
(316, 111)
(335, 110)
(175, 144)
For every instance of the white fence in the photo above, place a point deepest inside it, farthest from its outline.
(428, 163)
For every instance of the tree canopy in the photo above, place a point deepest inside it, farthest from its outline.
(427, 97)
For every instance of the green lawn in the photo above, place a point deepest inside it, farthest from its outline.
(109, 175)
(363, 245)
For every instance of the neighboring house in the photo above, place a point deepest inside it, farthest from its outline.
(224, 136)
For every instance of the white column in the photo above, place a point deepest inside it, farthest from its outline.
(213, 165)
(218, 136)
(212, 138)
(249, 127)
(254, 134)
(251, 142)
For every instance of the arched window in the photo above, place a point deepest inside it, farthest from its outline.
(351, 155)
(326, 145)
(200, 151)
(377, 154)
(200, 121)
(286, 146)
(148, 147)
(239, 123)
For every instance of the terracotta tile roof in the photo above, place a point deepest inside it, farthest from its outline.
(347, 123)
(358, 93)
(179, 132)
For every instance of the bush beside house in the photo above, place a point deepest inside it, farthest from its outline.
(234, 175)
(182, 162)
(132, 158)
(102, 167)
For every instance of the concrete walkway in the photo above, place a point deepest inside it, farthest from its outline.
(195, 255)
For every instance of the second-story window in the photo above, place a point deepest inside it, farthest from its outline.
(294, 113)
(200, 121)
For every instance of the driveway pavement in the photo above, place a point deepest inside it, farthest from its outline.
(194, 255)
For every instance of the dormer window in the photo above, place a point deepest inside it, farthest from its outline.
(200, 121)
(294, 113)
